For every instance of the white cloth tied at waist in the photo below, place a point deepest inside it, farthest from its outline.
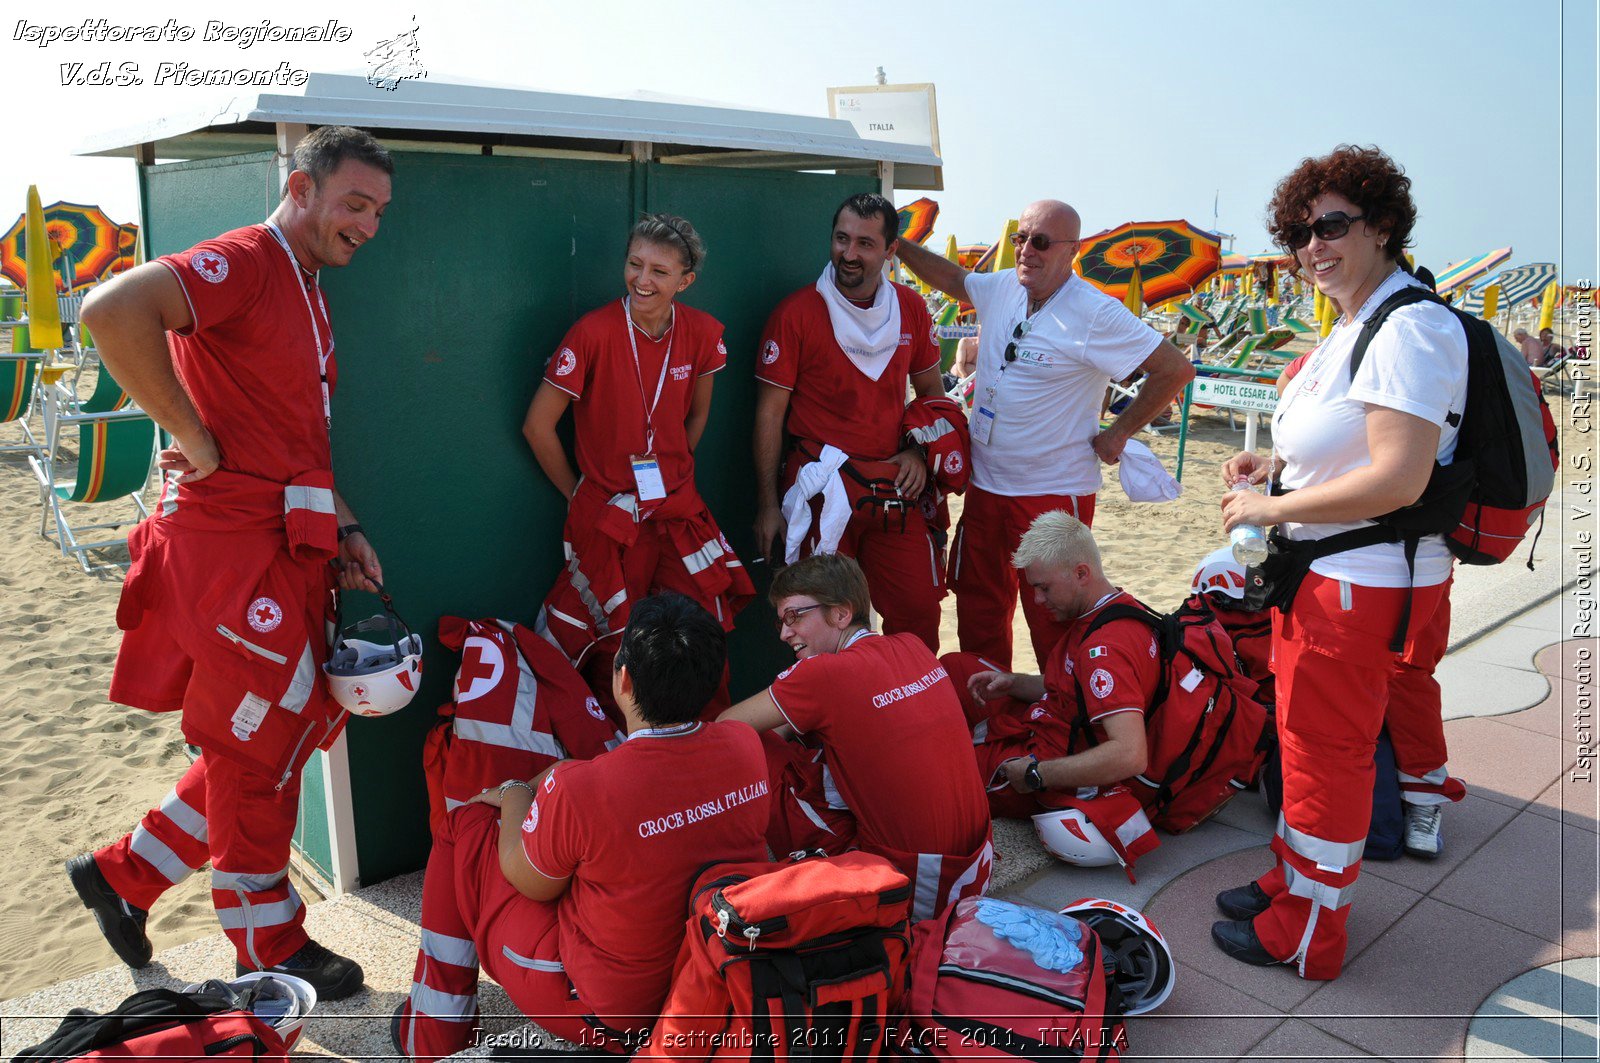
(1144, 478)
(820, 477)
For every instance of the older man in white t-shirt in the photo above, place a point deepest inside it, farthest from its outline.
(1050, 344)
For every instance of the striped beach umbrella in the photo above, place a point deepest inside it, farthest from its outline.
(1465, 272)
(1168, 257)
(1517, 285)
(917, 218)
(92, 245)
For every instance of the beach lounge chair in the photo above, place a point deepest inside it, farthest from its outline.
(1558, 373)
(19, 379)
(116, 454)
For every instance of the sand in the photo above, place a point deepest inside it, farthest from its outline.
(76, 771)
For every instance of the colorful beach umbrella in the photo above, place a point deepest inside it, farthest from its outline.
(969, 255)
(92, 246)
(1234, 263)
(1169, 258)
(1462, 273)
(917, 218)
(44, 313)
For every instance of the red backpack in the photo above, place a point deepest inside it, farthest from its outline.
(1207, 735)
(799, 960)
(973, 994)
(164, 1024)
(1496, 485)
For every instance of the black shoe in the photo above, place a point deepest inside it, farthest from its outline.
(1243, 902)
(1238, 939)
(395, 1034)
(120, 922)
(330, 974)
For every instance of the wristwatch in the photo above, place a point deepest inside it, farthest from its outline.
(1031, 777)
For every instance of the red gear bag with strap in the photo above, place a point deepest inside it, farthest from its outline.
(799, 960)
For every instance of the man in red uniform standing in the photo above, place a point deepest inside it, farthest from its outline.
(894, 776)
(570, 888)
(832, 375)
(1050, 344)
(228, 347)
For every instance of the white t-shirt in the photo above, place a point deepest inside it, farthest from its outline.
(1047, 402)
(1417, 364)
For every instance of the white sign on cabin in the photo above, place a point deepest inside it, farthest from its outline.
(901, 114)
(1235, 394)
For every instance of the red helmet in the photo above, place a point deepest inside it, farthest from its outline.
(939, 425)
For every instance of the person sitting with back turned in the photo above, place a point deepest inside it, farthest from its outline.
(893, 775)
(570, 888)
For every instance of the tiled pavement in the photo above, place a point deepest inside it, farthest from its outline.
(1501, 927)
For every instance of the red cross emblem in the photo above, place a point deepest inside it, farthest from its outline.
(264, 615)
(482, 664)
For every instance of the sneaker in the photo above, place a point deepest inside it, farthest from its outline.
(1423, 836)
(333, 976)
(1243, 902)
(120, 922)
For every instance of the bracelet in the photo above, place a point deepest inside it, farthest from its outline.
(509, 783)
(349, 530)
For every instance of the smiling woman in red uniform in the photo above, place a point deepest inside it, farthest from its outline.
(1351, 446)
(637, 373)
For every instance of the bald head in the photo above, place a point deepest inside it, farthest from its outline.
(1042, 273)
(1051, 216)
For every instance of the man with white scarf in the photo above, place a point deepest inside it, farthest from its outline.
(1050, 343)
(835, 360)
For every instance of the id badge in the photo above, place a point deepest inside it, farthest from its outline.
(982, 424)
(647, 477)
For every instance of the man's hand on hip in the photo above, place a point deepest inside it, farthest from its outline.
(193, 460)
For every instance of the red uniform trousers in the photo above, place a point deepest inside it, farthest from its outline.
(985, 583)
(1417, 730)
(225, 813)
(472, 914)
(1336, 682)
(651, 565)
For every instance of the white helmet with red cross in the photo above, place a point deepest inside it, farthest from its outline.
(1219, 573)
(1145, 972)
(374, 678)
(1069, 836)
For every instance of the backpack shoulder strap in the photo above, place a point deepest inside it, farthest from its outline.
(1167, 639)
(1406, 296)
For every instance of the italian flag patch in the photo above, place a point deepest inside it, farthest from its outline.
(1096, 651)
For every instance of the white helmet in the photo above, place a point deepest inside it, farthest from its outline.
(1069, 836)
(282, 1001)
(374, 678)
(1144, 970)
(1219, 572)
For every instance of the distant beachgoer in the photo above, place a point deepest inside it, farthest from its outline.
(1350, 447)
(966, 362)
(831, 381)
(637, 372)
(1051, 343)
(1553, 352)
(224, 607)
(1532, 350)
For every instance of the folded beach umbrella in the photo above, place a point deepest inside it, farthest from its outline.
(1169, 258)
(1547, 308)
(917, 218)
(1463, 273)
(44, 313)
(951, 251)
(1489, 303)
(1006, 258)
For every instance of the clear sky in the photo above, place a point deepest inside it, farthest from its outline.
(1135, 110)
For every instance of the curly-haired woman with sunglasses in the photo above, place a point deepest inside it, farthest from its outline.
(1350, 446)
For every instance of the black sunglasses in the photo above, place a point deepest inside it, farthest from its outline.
(1022, 329)
(1331, 226)
(1039, 241)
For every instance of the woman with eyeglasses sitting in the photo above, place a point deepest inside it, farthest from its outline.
(1356, 645)
(637, 373)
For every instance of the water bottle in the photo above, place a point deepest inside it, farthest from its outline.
(1249, 541)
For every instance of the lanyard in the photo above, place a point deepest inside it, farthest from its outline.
(638, 374)
(316, 333)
